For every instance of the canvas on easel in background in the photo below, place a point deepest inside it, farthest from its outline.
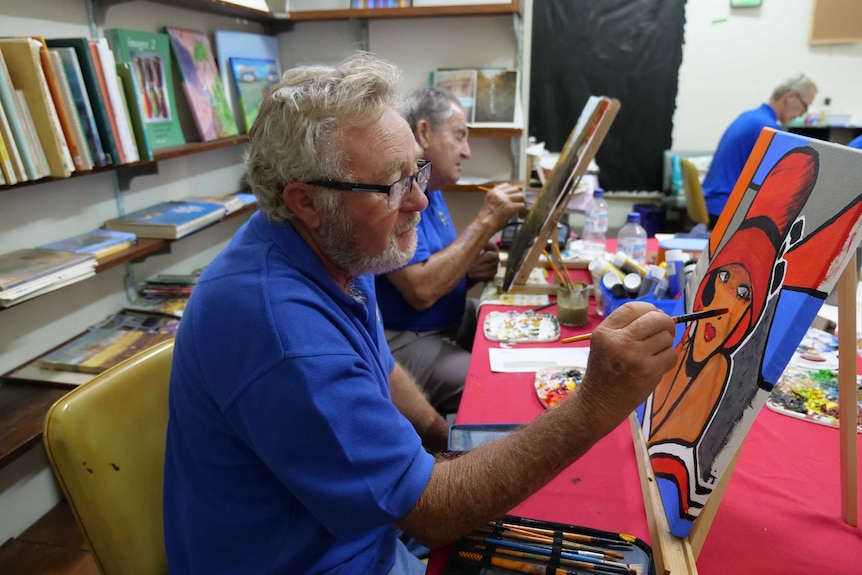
(580, 148)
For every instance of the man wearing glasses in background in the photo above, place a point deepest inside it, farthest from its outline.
(789, 100)
(296, 444)
(430, 322)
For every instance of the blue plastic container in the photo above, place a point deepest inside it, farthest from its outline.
(610, 303)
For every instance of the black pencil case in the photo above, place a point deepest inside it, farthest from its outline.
(473, 554)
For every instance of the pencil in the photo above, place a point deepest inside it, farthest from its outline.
(676, 319)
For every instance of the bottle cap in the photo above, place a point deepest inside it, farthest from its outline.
(655, 272)
(632, 283)
(598, 193)
(633, 218)
(674, 255)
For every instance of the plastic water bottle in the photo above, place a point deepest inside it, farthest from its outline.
(632, 238)
(595, 225)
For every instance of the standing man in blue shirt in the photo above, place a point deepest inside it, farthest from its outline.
(296, 445)
(430, 322)
(789, 100)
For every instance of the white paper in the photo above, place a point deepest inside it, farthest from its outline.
(531, 360)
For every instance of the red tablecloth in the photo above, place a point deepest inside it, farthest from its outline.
(781, 512)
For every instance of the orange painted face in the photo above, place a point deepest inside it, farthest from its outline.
(729, 287)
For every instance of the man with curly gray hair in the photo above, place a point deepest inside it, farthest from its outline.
(296, 444)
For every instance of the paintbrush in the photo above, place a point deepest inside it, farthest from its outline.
(511, 564)
(580, 560)
(536, 535)
(676, 319)
(564, 279)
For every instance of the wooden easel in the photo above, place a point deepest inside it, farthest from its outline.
(678, 555)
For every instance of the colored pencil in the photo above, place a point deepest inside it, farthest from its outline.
(676, 319)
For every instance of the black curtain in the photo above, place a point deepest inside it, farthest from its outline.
(625, 49)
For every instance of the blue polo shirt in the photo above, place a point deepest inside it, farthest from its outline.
(856, 142)
(436, 231)
(732, 153)
(285, 453)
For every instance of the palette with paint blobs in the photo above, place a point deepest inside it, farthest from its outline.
(811, 395)
(554, 384)
(521, 326)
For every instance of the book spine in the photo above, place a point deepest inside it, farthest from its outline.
(15, 165)
(91, 81)
(136, 113)
(9, 98)
(63, 119)
(6, 163)
(77, 130)
(35, 146)
(78, 89)
(109, 69)
(111, 113)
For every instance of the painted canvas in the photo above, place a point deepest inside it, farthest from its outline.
(232, 44)
(202, 84)
(496, 97)
(462, 83)
(252, 78)
(789, 229)
(580, 148)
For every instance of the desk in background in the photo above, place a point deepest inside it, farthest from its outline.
(781, 513)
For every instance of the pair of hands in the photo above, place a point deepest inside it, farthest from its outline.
(501, 203)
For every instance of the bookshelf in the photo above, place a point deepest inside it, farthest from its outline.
(35, 212)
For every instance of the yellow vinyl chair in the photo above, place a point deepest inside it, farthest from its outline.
(695, 204)
(106, 444)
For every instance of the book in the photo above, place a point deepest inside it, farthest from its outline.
(202, 84)
(25, 69)
(252, 80)
(230, 202)
(6, 169)
(72, 69)
(82, 156)
(108, 102)
(231, 44)
(462, 83)
(148, 57)
(29, 267)
(171, 306)
(99, 243)
(64, 110)
(15, 161)
(171, 220)
(138, 321)
(32, 137)
(98, 104)
(115, 96)
(135, 123)
(100, 349)
(11, 106)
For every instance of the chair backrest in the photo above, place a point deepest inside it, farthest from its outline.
(106, 444)
(695, 205)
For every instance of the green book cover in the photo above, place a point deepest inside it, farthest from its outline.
(148, 55)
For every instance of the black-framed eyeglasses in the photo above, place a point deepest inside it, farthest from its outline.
(395, 191)
(801, 101)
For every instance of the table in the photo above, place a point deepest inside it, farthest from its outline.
(781, 512)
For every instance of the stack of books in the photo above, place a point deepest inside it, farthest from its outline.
(104, 345)
(171, 285)
(168, 220)
(29, 272)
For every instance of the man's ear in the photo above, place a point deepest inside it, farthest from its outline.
(299, 199)
(423, 133)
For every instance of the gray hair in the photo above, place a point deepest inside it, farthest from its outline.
(431, 104)
(799, 83)
(297, 134)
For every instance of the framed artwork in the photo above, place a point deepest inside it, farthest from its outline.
(580, 148)
(497, 98)
(786, 234)
(253, 77)
(462, 83)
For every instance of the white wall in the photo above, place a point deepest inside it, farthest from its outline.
(733, 58)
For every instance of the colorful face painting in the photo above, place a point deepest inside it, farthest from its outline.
(792, 223)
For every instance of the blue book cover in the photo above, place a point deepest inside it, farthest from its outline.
(75, 79)
(169, 220)
(97, 242)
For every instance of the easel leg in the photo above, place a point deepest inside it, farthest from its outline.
(673, 555)
(847, 391)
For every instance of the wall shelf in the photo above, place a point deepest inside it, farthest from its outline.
(407, 12)
(126, 172)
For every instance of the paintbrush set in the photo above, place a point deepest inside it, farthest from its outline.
(521, 545)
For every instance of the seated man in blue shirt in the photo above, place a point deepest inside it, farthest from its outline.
(429, 320)
(856, 143)
(789, 100)
(295, 442)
